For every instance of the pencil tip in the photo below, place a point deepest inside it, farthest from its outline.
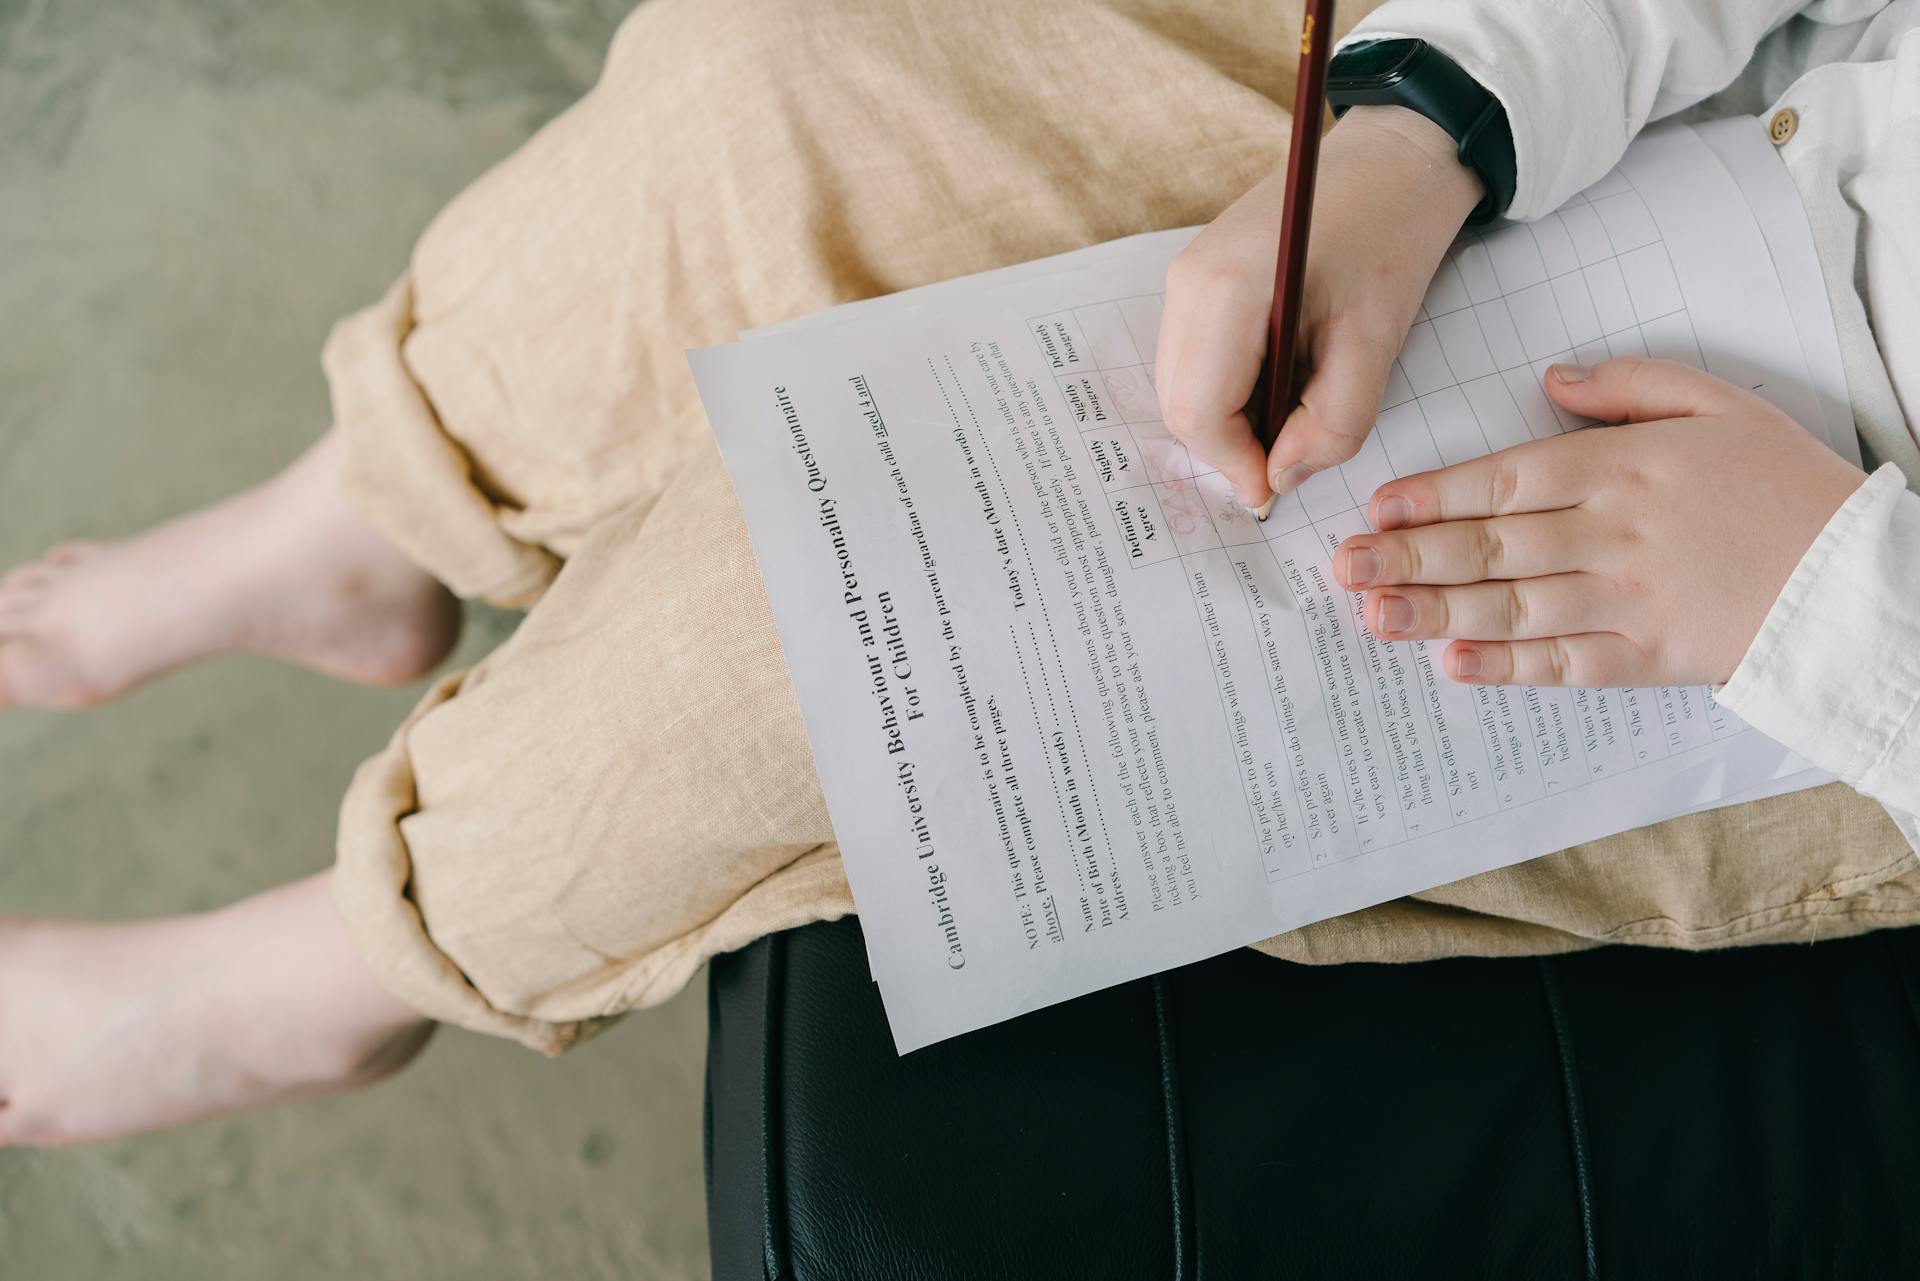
(1265, 509)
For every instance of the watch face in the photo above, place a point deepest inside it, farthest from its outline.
(1375, 62)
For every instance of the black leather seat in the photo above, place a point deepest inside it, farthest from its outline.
(1622, 1112)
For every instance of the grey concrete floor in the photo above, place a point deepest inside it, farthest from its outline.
(191, 191)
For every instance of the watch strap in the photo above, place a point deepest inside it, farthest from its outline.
(1487, 148)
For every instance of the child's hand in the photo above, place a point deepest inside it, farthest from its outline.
(1633, 555)
(1391, 196)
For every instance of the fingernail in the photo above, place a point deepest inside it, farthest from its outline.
(1569, 373)
(1363, 566)
(1396, 614)
(1394, 512)
(1468, 663)
(1265, 509)
(1292, 478)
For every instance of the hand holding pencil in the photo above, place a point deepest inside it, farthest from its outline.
(1387, 197)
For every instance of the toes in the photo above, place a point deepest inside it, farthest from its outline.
(21, 606)
(19, 595)
(25, 576)
(72, 551)
(40, 572)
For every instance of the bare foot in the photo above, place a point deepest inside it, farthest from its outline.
(286, 570)
(112, 1029)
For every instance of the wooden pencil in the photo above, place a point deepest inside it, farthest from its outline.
(1309, 105)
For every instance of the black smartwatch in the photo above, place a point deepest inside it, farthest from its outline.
(1415, 75)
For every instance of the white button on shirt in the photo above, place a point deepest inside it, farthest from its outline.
(1835, 670)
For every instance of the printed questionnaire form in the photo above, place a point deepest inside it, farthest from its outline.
(1080, 718)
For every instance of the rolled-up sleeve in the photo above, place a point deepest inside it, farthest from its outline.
(1834, 672)
(1579, 78)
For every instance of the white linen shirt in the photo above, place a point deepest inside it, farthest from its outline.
(1834, 672)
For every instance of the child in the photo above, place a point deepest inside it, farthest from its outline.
(568, 829)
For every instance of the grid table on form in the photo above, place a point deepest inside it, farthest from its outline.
(1417, 752)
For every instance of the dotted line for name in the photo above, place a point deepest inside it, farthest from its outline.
(1086, 762)
(1059, 801)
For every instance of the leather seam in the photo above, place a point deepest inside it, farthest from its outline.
(1171, 1112)
(1576, 1117)
(773, 1198)
(706, 1102)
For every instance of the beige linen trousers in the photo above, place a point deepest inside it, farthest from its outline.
(568, 829)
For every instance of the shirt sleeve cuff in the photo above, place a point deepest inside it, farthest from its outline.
(1555, 67)
(1834, 672)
